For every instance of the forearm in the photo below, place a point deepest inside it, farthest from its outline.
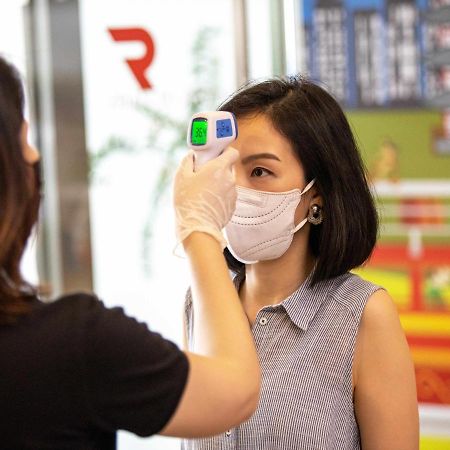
(224, 358)
(221, 328)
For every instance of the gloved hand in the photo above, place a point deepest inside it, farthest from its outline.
(205, 200)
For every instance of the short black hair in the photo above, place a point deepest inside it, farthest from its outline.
(316, 127)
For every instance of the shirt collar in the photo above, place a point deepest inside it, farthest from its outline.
(302, 305)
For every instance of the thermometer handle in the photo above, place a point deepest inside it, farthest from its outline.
(203, 156)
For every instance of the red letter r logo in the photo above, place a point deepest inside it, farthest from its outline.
(137, 66)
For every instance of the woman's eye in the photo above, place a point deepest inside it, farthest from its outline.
(260, 172)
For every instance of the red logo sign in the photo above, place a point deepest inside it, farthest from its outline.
(140, 65)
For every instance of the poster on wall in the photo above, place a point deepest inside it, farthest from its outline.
(388, 64)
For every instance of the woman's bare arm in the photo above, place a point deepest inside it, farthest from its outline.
(224, 376)
(385, 390)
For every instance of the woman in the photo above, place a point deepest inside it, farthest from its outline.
(336, 369)
(74, 372)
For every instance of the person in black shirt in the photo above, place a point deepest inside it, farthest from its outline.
(73, 372)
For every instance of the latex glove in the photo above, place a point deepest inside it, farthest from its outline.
(205, 200)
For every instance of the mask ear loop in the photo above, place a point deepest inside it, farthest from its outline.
(306, 189)
(308, 186)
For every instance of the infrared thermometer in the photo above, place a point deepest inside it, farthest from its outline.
(210, 133)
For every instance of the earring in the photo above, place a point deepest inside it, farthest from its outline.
(315, 214)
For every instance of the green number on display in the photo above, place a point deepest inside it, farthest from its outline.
(199, 131)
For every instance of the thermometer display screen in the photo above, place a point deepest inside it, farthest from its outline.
(199, 132)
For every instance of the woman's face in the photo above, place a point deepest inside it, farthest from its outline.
(267, 161)
(30, 153)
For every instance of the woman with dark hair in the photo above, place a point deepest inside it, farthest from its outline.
(336, 368)
(73, 372)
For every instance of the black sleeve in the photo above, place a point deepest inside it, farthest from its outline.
(133, 377)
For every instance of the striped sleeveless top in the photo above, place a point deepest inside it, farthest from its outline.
(305, 346)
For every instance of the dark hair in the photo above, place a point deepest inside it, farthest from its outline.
(315, 125)
(19, 198)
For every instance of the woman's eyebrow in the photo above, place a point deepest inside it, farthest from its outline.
(250, 158)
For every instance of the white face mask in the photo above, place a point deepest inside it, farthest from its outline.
(262, 226)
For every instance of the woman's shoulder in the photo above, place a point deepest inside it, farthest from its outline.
(380, 310)
(353, 292)
(80, 303)
(77, 300)
(80, 309)
(100, 328)
(352, 281)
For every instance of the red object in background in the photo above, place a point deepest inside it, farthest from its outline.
(433, 385)
(397, 255)
(140, 65)
(433, 380)
(422, 211)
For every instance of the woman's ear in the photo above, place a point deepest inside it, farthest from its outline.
(316, 198)
(30, 153)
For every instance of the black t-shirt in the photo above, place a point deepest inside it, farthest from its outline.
(73, 372)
